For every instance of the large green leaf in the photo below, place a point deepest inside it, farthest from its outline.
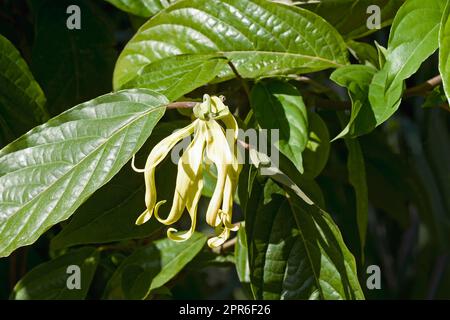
(22, 102)
(49, 280)
(357, 79)
(279, 105)
(413, 38)
(151, 267)
(349, 17)
(110, 214)
(178, 75)
(72, 66)
(259, 37)
(49, 172)
(444, 50)
(297, 252)
(142, 8)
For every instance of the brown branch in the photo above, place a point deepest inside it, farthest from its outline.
(424, 88)
(181, 105)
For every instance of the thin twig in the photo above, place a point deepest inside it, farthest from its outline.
(230, 243)
(243, 81)
(181, 105)
(424, 88)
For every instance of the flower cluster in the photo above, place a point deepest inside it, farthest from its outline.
(210, 145)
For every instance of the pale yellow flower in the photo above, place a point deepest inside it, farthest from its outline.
(210, 145)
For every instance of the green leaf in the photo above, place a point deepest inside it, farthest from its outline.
(241, 258)
(255, 35)
(178, 75)
(297, 252)
(349, 17)
(48, 281)
(357, 79)
(365, 53)
(49, 172)
(317, 150)
(413, 38)
(357, 177)
(72, 66)
(279, 105)
(110, 214)
(22, 102)
(444, 50)
(151, 267)
(142, 8)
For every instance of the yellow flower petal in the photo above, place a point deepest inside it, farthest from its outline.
(189, 179)
(219, 153)
(158, 153)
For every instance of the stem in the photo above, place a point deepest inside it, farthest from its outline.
(424, 88)
(243, 81)
(181, 105)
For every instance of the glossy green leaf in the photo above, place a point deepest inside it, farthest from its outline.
(49, 172)
(279, 105)
(444, 50)
(297, 252)
(256, 35)
(178, 75)
(110, 214)
(22, 102)
(349, 17)
(142, 8)
(317, 150)
(357, 79)
(49, 281)
(413, 38)
(72, 66)
(152, 266)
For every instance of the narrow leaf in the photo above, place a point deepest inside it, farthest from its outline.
(317, 150)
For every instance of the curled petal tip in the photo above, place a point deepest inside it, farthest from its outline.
(133, 165)
(144, 217)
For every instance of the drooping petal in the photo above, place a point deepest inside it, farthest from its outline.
(158, 153)
(218, 152)
(189, 182)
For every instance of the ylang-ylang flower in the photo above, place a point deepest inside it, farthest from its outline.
(211, 145)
